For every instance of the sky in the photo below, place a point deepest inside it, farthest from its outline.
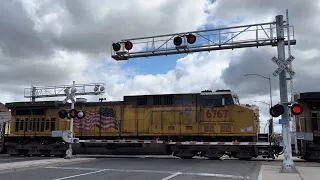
(55, 42)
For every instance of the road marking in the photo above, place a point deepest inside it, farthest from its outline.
(68, 177)
(96, 170)
(171, 176)
(260, 173)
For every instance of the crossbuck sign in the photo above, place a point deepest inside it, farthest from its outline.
(283, 66)
(69, 95)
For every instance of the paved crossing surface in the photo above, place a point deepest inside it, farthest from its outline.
(7, 159)
(143, 169)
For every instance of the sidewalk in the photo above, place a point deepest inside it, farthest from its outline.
(269, 172)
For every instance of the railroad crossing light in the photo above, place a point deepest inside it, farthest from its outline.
(191, 38)
(81, 114)
(296, 109)
(116, 46)
(128, 45)
(276, 110)
(63, 114)
(73, 113)
(177, 41)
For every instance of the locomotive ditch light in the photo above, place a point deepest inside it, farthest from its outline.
(81, 114)
(63, 114)
(296, 109)
(116, 46)
(191, 38)
(128, 45)
(177, 41)
(276, 110)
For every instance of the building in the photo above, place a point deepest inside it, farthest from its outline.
(3, 108)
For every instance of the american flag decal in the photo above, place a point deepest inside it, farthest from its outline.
(104, 122)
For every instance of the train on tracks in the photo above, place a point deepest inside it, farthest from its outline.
(209, 124)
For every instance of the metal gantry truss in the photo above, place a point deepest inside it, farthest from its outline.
(253, 35)
(55, 91)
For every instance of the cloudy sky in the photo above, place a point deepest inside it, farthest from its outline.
(53, 42)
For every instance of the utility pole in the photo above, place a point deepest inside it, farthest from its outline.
(287, 165)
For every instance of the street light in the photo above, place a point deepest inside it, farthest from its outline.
(271, 123)
(264, 130)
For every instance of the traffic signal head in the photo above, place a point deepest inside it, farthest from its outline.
(296, 109)
(276, 110)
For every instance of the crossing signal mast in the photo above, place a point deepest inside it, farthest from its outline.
(262, 34)
(70, 91)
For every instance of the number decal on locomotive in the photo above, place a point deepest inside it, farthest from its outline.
(217, 113)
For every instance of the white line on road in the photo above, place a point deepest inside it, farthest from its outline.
(96, 170)
(171, 176)
(260, 173)
(68, 177)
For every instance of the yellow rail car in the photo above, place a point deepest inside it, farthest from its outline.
(206, 116)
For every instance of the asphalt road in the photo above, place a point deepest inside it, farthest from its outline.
(143, 169)
(7, 159)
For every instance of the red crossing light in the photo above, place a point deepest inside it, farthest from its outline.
(296, 109)
(191, 38)
(128, 45)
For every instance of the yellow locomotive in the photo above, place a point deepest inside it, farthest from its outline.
(207, 116)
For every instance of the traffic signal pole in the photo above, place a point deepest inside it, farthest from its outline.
(287, 165)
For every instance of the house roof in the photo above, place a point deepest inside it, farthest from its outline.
(2, 106)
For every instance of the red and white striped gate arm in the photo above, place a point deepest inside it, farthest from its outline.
(174, 143)
(122, 141)
(221, 143)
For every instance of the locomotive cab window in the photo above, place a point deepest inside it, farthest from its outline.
(214, 102)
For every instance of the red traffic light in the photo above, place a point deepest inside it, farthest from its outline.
(128, 45)
(296, 109)
(276, 110)
(116, 46)
(177, 41)
(191, 38)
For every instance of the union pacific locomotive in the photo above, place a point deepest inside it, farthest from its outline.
(209, 124)
(207, 116)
